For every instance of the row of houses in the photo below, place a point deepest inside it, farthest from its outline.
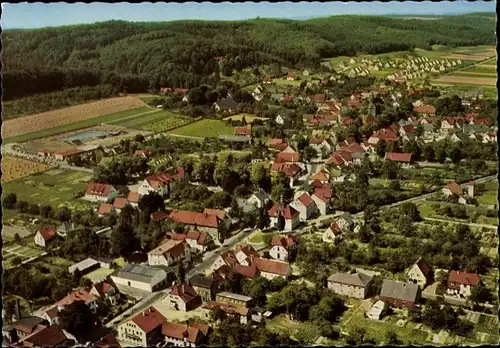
(400, 294)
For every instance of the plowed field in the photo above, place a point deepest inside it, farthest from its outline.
(464, 80)
(51, 119)
(15, 168)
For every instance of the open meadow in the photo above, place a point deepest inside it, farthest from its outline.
(205, 128)
(55, 187)
(14, 168)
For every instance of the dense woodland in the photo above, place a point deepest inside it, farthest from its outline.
(135, 57)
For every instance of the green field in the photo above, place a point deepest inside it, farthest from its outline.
(55, 187)
(490, 195)
(206, 128)
(110, 119)
(168, 121)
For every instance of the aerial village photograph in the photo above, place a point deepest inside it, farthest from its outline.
(249, 174)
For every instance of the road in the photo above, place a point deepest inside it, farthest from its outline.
(138, 307)
(211, 256)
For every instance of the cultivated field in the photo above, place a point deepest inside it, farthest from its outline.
(55, 187)
(79, 125)
(14, 168)
(203, 129)
(51, 119)
(466, 80)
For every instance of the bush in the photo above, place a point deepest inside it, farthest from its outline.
(9, 201)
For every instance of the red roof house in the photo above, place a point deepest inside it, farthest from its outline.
(398, 157)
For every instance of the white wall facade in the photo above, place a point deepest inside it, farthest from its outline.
(347, 290)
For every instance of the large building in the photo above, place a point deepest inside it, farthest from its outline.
(352, 285)
(144, 329)
(168, 253)
(139, 277)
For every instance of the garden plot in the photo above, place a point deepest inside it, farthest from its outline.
(167, 122)
(49, 188)
(9, 232)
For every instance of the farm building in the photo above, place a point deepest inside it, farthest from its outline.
(140, 277)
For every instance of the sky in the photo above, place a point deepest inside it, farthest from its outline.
(37, 15)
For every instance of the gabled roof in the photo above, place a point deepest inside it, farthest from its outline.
(457, 277)
(227, 103)
(181, 332)
(424, 109)
(105, 208)
(201, 280)
(272, 266)
(185, 291)
(398, 157)
(424, 267)
(120, 203)
(159, 216)
(275, 141)
(201, 238)
(287, 212)
(454, 188)
(133, 197)
(27, 324)
(289, 169)
(321, 175)
(159, 180)
(285, 242)
(103, 288)
(46, 337)
(356, 279)
(108, 341)
(305, 199)
(97, 189)
(194, 218)
(173, 248)
(323, 193)
(246, 271)
(352, 148)
(279, 146)
(284, 157)
(74, 296)
(48, 232)
(148, 320)
(399, 290)
(385, 134)
(246, 131)
(217, 212)
(335, 228)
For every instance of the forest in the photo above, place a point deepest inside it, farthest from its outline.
(134, 57)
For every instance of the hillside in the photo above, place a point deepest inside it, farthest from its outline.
(136, 56)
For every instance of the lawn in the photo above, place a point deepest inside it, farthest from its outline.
(257, 237)
(248, 118)
(99, 274)
(283, 325)
(111, 118)
(55, 187)
(205, 128)
(23, 252)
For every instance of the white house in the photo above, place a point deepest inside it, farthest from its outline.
(305, 206)
(168, 253)
(333, 233)
(160, 183)
(461, 283)
(291, 216)
(143, 330)
(271, 269)
(96, 192)
(44, 235)
(282, 247)
(353, 285)
(376, 312)
(259, 199)
(420, 273)
(322, 198)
